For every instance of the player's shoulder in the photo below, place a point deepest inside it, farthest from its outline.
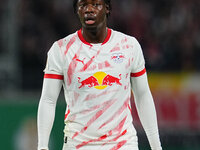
(60, 45)
(125, 38)
(122, 35)
(64, 41)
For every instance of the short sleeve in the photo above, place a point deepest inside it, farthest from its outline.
(54, 63)
(138, 64)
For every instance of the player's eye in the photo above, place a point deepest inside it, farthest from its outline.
(81, 5)
(96, 4)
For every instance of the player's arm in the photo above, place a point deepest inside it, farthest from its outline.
(146, 109)
(46, 110)
(52, 84)
(143, 98)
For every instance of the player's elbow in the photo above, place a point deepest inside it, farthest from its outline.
(47, 100)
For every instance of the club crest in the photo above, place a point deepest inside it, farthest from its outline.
(117, 57)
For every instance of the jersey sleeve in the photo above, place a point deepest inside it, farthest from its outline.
(54, 65)
(138, 64)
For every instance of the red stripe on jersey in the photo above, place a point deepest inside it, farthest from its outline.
(115, 139)
(119, 145)
(87, 64)
(118, 128)
(90, 62)
(60, 42)
(54, 76)
(116, 114)
(72, 66)
(80, 35)
(94, 108)
(71, 42)
(95, 117)
(91, 141)
(93, 96)
(130, 108)
(66, 115)
(100, 139)
(137, 74)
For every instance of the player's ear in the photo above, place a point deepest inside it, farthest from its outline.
(77, 12)
(107, 9)
(76, 8)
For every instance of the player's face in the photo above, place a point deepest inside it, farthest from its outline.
(92, 13)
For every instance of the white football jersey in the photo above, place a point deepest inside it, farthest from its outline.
(96, 81)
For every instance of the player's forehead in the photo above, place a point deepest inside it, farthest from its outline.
(90, 1)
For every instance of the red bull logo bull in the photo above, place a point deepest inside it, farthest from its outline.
(99, 80)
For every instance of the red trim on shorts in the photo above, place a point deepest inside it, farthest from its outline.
(80, 35)
(54, 76)
(137, 74)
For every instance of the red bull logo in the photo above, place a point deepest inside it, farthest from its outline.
(99, 80)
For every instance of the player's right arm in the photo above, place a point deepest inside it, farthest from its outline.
(52, 84)
(46, 110)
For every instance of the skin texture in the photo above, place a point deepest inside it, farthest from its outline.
(96, 12)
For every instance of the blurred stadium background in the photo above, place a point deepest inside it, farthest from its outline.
(169, 32)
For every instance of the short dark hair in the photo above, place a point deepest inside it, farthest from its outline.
(108, 2)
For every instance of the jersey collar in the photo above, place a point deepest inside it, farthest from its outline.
(85, 42)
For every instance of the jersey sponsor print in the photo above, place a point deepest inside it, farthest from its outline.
(100, 80)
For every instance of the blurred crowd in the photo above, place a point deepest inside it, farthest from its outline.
(168, 30)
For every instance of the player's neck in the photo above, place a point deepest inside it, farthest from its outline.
(96, 35)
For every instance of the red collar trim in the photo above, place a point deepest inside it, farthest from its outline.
(85, 42)
(107, 37)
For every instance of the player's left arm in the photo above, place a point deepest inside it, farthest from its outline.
(143, 97)
(146, 110)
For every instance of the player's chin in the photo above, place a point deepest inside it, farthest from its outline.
(90, 26)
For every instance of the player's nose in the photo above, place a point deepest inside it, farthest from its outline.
(89, 8)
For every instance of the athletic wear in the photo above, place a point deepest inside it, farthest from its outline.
(97, 85)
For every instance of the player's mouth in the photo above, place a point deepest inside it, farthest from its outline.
(90, 20)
